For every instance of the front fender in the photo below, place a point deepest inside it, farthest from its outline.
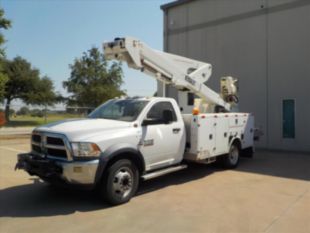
(114, 151)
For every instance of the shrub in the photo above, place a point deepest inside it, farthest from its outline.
(23, 111)
(37, 113)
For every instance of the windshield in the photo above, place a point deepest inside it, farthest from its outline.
(122, 110)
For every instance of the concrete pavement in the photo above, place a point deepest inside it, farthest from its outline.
(269, 193)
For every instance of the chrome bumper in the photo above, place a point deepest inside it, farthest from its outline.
(72, 172)
(80, 172)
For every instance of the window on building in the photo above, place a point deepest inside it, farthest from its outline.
(288, 118)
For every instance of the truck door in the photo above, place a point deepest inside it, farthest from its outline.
(162, 143)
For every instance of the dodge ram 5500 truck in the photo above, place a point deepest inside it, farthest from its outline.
(126, 140)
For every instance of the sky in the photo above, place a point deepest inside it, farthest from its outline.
(50, 34)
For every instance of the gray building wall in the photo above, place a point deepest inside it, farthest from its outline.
(264, 43)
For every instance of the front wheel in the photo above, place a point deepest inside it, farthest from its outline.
(231, 160)
(121, 182)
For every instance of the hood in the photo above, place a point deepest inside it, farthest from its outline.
(78, 129)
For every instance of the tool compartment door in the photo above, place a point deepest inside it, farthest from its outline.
(248, 139)
(221, 126)
(206, 136)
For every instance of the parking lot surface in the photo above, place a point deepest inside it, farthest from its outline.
(269, 193)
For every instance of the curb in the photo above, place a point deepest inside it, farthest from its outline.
(15, 136)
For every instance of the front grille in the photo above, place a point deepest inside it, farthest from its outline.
(36, 149)
(47, 144)
(36, 138)
(54, 141)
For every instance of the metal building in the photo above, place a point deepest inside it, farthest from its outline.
(265, 44)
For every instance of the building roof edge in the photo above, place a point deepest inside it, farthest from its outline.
(174, 3)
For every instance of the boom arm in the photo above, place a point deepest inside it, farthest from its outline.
(181, 72)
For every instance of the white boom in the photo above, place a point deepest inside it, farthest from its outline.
(183, 73)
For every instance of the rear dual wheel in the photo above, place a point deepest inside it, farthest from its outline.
(231, 159)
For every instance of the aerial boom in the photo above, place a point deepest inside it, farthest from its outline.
(183, 73)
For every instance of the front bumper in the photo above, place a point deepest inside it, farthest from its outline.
(71, 172)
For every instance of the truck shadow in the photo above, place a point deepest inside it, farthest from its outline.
(193, 172)
(40, 199)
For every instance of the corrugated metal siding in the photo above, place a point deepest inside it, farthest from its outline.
(262, 43)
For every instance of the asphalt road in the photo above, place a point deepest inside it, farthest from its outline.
(269, 193)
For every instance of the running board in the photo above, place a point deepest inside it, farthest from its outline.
(163, 172)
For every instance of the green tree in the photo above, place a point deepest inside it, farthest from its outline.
(25, 84)
(93, 80)
(23, 111)
(3, 81)
(4, 24)
(42, 93)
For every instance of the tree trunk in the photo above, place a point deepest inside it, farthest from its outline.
(7, 110)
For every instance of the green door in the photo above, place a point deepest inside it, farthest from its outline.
(288, 118)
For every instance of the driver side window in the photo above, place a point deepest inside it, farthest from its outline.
(157, 111)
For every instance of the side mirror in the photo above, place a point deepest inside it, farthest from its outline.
(167, 116)
(145, 122)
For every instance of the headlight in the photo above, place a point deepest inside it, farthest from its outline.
(85, 149)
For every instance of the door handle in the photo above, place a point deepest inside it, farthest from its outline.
(176, 130)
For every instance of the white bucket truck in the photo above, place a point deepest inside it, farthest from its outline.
(127, 140)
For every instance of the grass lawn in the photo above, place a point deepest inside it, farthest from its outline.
(24, 121)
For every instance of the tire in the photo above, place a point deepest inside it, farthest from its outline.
(231, 159)
(120, 182)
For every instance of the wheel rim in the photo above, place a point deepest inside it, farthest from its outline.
(123, 182)
(234, 155)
